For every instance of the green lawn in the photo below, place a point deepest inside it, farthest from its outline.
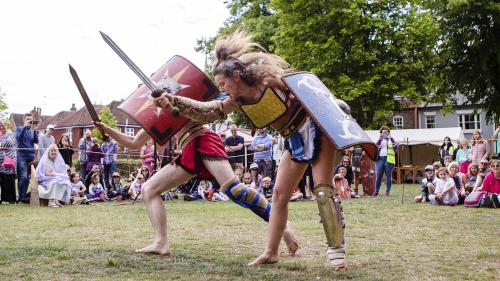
(386, 240)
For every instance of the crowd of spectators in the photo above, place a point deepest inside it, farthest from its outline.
(460, 170)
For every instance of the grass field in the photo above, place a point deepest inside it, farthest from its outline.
(386, 240)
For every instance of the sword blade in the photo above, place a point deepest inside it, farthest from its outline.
(147, 81)
(83, 93)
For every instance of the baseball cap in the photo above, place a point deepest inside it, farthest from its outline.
(254, 166)
(50, 126)
(116, 174)
(429, 168)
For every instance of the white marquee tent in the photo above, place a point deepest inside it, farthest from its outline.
(419, 147)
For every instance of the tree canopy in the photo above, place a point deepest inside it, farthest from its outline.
(107, 118)
(369, 53)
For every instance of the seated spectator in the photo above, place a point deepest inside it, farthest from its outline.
(437, 165)
(219, 196)
(135, 189)
(445, 192)
(471, 178)
(428, 185)
(247, 180)
(491, 185)
(145, 172)
(447, 160)
(267, 188)
(77, 186)
(77, 189)
(346, 163)
(256, 177)
(458, 178)
(53, 180)
(296, 195)
(115, 190)
(205, 190)
(96, 191)
(484, 170)
(96, 170)
(238, 171)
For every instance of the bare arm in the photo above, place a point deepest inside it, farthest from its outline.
(132, 142)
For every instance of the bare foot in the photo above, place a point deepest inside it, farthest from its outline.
(156, 249)
(291, 241)
(264, 259)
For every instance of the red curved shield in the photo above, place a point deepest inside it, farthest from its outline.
(188, 81)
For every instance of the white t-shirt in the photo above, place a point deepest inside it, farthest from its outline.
(383, 148)
(449, 197)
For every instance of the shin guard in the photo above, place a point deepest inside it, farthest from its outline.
(247, 198)
(332, 218)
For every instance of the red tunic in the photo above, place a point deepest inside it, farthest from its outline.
(209, 146)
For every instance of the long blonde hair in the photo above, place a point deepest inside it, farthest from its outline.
(237, 53)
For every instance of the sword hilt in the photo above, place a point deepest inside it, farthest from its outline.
(175, 112)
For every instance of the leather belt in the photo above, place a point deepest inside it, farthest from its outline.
(294, 124)
(189, 134)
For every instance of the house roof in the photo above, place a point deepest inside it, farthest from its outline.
(81, 117)
(78, 118)
(17, 118)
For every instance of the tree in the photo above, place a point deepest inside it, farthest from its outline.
(366, 52)
(3, 105)
(107, 118)
(469, 52)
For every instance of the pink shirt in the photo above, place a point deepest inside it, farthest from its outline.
(491, 184)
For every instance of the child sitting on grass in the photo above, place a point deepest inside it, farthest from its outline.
(267, 188)
(428, 185)
(77, 189)
(96, 191)
(445, 192)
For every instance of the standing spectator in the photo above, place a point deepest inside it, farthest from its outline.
(94, 156)
(84, 146)
(26, 137)
(446, 149)
(356, 155)
(496, 138)
(262, 145)
(256, 177)
(7, 165)
(387, 147)
(147, 152)
(428, 185)
(463, 156)
(44, 140)
(234, 147)
(480, 148)
(346, 163)
(66, 149)
(109, 148)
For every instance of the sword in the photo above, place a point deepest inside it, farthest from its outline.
(147, 81)
(85, 97)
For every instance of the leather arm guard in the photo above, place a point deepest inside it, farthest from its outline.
(247, 198)
(205, 112)
(331, 213)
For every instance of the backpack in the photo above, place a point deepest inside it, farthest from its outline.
(475, 199)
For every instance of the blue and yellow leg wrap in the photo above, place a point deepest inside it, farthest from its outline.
(247, 198)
